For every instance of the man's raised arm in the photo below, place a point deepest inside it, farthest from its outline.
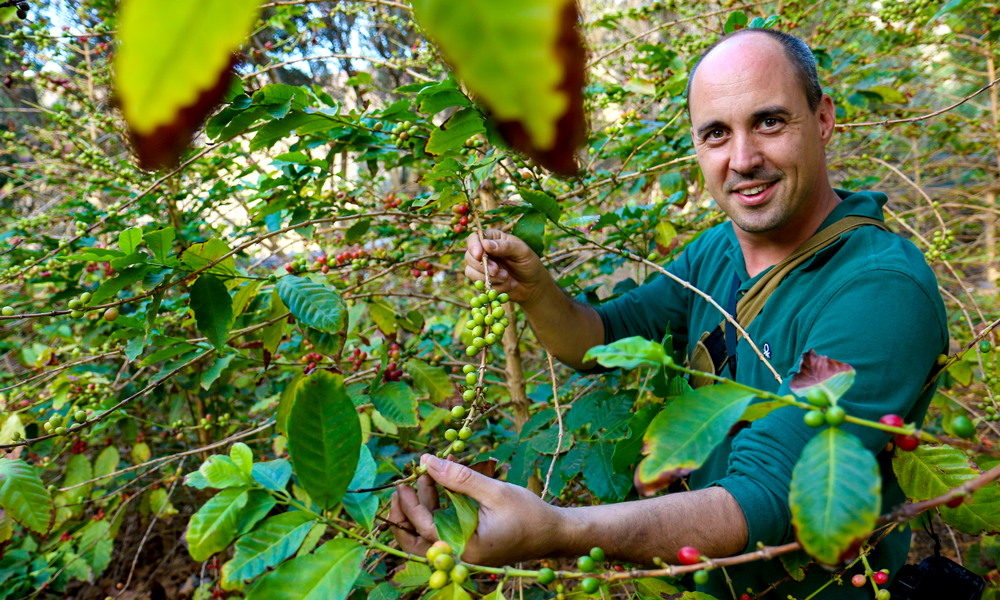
(567, 328)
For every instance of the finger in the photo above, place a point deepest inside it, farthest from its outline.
(427, 493)
(510, 247)
(417, 514)
(459, 478)
(473, 247)
(407, 541)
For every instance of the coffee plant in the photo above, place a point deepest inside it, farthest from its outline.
(235, 315)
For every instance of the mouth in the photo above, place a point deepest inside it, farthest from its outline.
(755, 195)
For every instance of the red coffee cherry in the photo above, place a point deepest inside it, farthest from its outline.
(908, 443)
(689, 555)
(891, 420)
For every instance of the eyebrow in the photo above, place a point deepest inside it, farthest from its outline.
(768, 111)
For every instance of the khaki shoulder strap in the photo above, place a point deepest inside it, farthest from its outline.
(753, 301)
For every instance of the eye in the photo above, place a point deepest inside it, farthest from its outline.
(716, 133)
(771, 122)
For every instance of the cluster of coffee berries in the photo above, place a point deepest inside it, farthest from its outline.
(77, 303)
(460, 220)
(422, 268)
(458, 437)
(359, 357)
(392, 371)
(58, 424)
(939, 247)
(487, 321)
(391, 201)
(79, 446)
(313, 358)
(439, 556)
(22, 10)
(403, 132)
(905, 442)
(832, 415)
(590, 564)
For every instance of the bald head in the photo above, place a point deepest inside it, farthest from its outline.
(776, 47)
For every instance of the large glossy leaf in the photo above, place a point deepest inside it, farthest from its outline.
(682, 435)
(170, 61)
(930, 471)
(259, 503)
(270, 543)
(458, 522)
(396, 402)
(600, 474)
(213, 309)
(273, 474)
(627, 449)
(835, 495)
(126, 277)
(78, 470)
(824, 373)
(453, 133)
(514, 56)
(363, 506)
(199, 256)
(315, 305)
(413, 575)
(160, 242)
(542, 202)
(214, 526)
(106, 463)
(628, 353)
(432, 380)
(219, 472)
(23, 495)
(273, 333)
(327, 574)
(324, 437)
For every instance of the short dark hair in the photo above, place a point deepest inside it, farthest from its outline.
(798, 54)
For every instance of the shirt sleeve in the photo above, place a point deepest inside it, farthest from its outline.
(649, 309)
(892, 346)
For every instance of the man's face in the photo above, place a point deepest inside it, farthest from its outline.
(760, 147)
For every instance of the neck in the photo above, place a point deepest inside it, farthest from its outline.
(764, 250)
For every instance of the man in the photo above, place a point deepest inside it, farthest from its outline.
(760, 125)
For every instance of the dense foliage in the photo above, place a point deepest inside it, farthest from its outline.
(220, 354)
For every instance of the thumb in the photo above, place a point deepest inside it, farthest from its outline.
(458, 478)
(515, 248)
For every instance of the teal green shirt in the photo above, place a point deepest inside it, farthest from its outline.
(869, 300)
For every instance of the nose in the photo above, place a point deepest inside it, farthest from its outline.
(745, 155)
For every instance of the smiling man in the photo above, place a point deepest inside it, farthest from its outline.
(760, 124)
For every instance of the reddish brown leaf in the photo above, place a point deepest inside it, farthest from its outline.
(163, 147)
(663, 481)
(815, 369)
(571, 128)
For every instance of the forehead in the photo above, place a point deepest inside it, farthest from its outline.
(742, 75)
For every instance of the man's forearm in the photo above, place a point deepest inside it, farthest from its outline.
(710, 520)
(565, 327)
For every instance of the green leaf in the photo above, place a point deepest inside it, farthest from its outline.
(432, 380)
(452, 591)
(106, 464)
(397, 403)
(821, 372)
(363, 506)
(413, 575)
(212, 373)
(531, 228)
(259, 503)
(285, 404)
(273, 474)
(358, 229)
(628, 353)
(78, 470)
(130, 239)
(96, 544)
(199, 256)
(453, 133)
(542, 202)
(327, 574)
(219, 472)
(600, 476)
(242, 457)
(246, 293)
(216, 523)
(300, 123)
(315, 305)
(760, 410)
(160, 242)
(506, 54)
(795, 564)
(627, 449)
(384, 316)
(458, 522)
(685, 432)
(835, 495)
(324, 437)
(126, 277)
(23, 495)
(930, 471)
(737, 20)
(169, 53)
(213, 310)
(273, 333)
(266, 546)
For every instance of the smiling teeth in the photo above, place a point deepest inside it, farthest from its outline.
(754, 191)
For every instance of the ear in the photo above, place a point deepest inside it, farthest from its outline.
(827, 114)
